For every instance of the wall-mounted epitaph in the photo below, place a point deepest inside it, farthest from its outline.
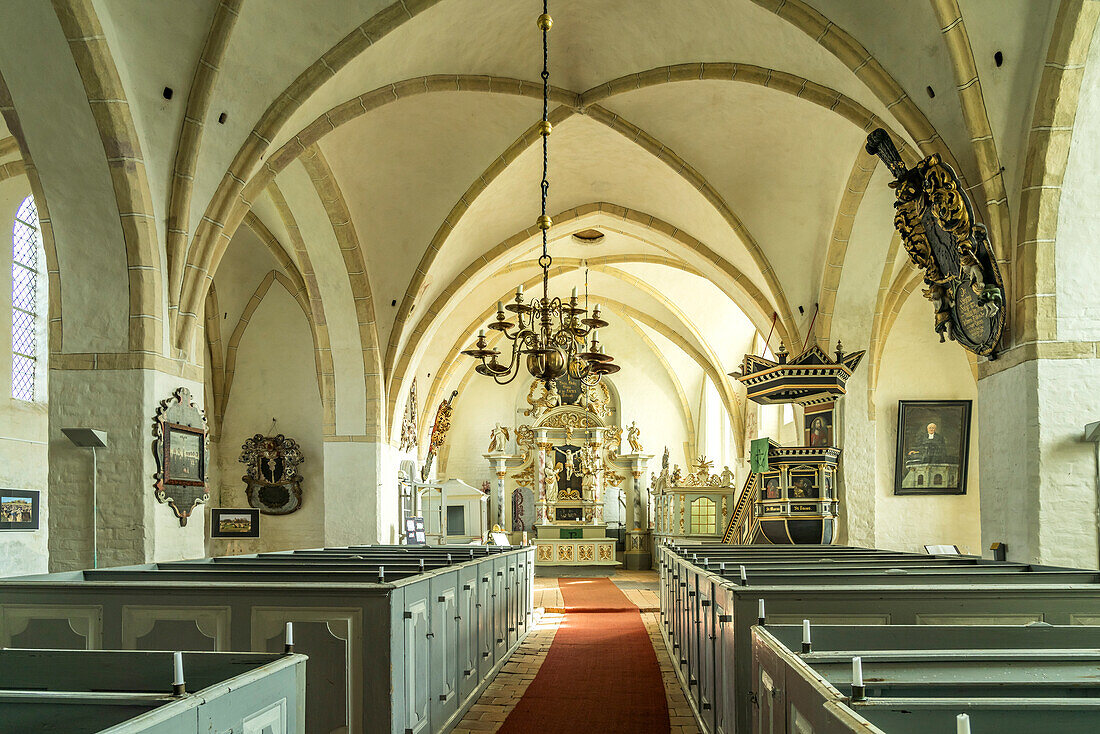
(179, 447)
(272, 481)
(938, 228)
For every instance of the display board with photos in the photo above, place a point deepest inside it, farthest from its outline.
(933, 447)
(19, 509)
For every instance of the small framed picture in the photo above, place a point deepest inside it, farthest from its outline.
(184, 455)
(933, 447)
(19, 509)
(226, 523)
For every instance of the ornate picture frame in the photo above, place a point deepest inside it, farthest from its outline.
(181, 477)
(933, 447)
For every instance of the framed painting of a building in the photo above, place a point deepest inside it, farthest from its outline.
(933, 447)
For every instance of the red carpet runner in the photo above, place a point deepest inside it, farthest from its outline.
(600, 674)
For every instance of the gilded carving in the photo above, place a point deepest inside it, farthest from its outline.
(408, 422)
(936, 221)
(547, 399)
(439, 433)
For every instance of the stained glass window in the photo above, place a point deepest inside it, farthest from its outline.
(24, 300)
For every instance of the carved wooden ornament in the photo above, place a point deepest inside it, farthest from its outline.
(272, 481)
(938, 228)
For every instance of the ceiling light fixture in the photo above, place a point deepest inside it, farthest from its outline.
(550, 333)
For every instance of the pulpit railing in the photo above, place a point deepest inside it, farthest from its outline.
(743, 523)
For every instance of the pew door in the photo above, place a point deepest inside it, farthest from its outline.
(468, 623)
(500, 607)
(485, 615)
(444, 648)
(417, 627)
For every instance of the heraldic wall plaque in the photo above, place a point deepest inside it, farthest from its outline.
(936, 221)
(272, 481)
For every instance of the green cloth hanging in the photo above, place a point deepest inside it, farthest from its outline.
(758, 455)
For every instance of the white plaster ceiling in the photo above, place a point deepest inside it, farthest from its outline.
(780, 163)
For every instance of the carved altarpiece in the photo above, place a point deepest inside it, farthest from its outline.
(569, 458)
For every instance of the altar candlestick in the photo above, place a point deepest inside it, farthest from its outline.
(744, 577)
(962, 724)
(760, 612)
(288, 643)
(858, 691)
(806, 636)
(178, 686)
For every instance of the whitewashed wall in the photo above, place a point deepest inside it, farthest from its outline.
(23, 426)
(915, 366)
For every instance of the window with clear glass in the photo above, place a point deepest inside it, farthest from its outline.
(702, 515)
(24, 300)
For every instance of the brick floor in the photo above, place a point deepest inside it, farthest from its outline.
(509, 685)
(505, 690)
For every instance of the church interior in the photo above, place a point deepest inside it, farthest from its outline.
(423, 366)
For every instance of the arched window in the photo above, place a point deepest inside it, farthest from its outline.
(26, 242)
(702, 515)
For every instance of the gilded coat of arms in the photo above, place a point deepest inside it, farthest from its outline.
(272, 481)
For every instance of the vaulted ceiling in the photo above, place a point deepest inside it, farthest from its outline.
(388, 150)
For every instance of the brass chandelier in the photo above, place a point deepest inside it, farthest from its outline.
(555, 336)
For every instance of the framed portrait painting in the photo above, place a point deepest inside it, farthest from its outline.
(933, 447)
(19, 509)
(227, 523)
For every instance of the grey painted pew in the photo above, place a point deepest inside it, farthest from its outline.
(707, 616)
(81, 692)
(1033, 678)
(410, 654)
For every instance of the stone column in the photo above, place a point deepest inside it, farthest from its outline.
(1039, 478)
(500, 499)
(638, 554)
(117, 393)
(498, 463)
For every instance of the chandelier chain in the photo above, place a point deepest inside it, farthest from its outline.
(553, 337)
(545, 260)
